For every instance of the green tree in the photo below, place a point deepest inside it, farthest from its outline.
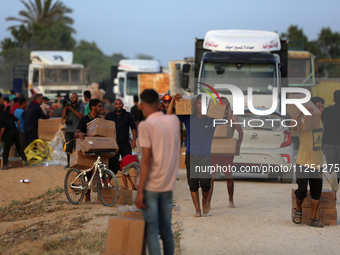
(92, 57)
(297, 39)
(46, 13)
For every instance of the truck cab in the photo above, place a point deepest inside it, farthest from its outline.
(127, 78)
(52, 72)
(242, 58)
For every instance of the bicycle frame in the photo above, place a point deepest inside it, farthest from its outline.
(97, 166)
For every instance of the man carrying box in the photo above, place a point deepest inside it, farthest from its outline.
(308, 162)
(81, 131)
(226, 160)
(159, 137)
(200, 132)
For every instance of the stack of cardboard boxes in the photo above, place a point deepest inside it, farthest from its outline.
(47, 128)
(326, 213)
(101, 136)
(125, 233)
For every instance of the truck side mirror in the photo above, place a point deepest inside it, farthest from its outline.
(185, 81)
(284, 70)
(115, 81)
(186, 68)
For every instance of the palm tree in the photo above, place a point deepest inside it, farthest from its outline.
(43, 13)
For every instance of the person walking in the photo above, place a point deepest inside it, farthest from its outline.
(308, 160)
(200, 132)
(19, 113)
(159, 137)
(331, 137)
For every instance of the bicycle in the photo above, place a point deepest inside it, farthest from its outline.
(76, 183)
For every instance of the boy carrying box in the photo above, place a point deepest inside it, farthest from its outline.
(127, 162)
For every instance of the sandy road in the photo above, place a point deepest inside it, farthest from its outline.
(260, 223)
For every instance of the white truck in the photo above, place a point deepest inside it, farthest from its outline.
(53, 72)
(133, 76)
(248, 59)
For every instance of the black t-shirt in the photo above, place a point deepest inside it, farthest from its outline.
(82, 125)
(331, 118)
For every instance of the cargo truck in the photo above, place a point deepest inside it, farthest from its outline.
(132, 76)
(53, 72)
(247, 59)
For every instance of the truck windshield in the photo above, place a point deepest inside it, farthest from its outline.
(63, 76)
(299, 72)
(261, 77)
(132, 86)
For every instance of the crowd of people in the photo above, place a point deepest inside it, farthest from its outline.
(159, 134)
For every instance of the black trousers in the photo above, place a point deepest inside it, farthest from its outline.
(124, 149)
(70, 146)
(12, 137)
(31, 133)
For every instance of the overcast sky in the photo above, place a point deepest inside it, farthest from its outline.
(166, 29)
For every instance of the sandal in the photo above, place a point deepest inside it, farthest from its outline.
(315, 223)
(297, 216)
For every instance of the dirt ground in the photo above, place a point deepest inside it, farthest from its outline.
(36, 218)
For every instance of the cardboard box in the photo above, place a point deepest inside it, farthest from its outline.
(101, 127)
(99, 143)
(51, 122)
(125, 236)
(224, 131)
(125, 197)
(79, 161)
(306, 122)
(216, 111)
(107, 195)
(327, 200)
(121, 183)
(225, 146)
(326, 216)
(13, 162)
(185, 106)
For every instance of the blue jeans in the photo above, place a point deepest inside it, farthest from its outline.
(157, 216)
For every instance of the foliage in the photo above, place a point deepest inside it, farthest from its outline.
(92, 57)
(43, 13)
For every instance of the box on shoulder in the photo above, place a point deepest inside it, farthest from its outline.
(225, 146)
(101, 127)
(216, 110)
(185, 106)
(306, 122)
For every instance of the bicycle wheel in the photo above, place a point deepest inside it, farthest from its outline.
(75, 193)
(108, 194)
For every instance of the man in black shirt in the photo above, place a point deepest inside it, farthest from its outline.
(124, 121)
(331, 136)
(81, 131)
